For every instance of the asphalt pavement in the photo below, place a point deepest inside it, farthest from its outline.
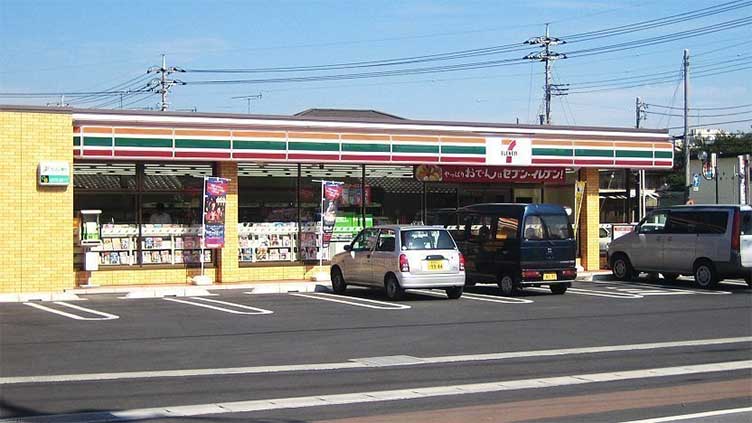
(359, 357)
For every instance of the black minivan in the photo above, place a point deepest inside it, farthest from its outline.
(516, 245)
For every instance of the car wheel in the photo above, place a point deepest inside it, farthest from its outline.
(393, 290)
(506, 284)
(338, 281)
(705, 275)
(558, 288)
(670, 276)
(454, 292)
(621, 268)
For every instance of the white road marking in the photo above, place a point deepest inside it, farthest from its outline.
(364, 362)
(356, 301)
(593, 293)
(192, 301)
(104, 316)
(694, 415)
(662, 288)
(381, 396)
(477, 297)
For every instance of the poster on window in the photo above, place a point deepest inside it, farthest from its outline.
(332, 194)
(215, 203)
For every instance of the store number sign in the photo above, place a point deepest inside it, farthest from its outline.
(53, 173)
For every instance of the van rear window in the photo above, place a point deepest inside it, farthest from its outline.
(547, 226)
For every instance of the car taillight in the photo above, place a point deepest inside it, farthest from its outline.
(736, 231)
(462, 262)
(404, 264)
(569, 273)
(531, 274)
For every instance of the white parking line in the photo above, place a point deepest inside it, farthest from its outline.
(104, 316)
(419, 392)
(477, 297)
(254, 310)
(593, 293)
(339, 299)
(367, 362)
(694, 415)
(651, 289)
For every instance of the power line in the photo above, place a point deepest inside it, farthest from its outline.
(740, 106)
(713, 123)
(703, 116)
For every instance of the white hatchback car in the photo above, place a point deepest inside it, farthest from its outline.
(399, 257)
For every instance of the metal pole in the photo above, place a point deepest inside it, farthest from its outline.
(548, 79)
(687, 176)
(163, 84)
(714, 163)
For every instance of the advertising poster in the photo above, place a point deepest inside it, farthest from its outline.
(332, 194)
(215, 202)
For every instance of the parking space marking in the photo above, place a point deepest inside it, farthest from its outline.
(651, 289)
(694, 415)
(477, 297)
(594, 293)
(199, 303)
(104, 316)
(338, 299)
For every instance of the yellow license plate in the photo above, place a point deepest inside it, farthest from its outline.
(549, 276)
(435, 265)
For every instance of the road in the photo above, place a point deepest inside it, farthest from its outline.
(604, 351)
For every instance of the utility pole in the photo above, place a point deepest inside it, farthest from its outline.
(547, 56)
(163, 84)
(687, 176)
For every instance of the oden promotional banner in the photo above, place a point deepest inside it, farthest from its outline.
(332, 193)
(215, 202)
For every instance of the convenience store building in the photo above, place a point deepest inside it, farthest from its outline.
(145, 170)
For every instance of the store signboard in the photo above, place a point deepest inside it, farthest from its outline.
(215, 203)
(332, 191)
(509, 151)
(619, 230)
(480, 174)
(53, 173)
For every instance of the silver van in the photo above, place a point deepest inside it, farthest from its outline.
(710, 242)
(398, 257)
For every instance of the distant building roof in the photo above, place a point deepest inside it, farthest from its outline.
(348, 114)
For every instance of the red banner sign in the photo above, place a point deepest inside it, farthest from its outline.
(435, 173)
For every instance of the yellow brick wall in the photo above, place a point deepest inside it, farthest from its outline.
(35, 246)
(590, 220)
(228, 256)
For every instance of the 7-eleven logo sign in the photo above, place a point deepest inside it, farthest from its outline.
(508, 151)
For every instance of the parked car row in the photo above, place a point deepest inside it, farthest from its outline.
(709, 242)
(512, 245)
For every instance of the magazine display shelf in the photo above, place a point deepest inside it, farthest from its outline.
(267, 242)
(172, 244)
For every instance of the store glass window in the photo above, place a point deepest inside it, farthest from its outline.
(349, 219)
(171, 213)
(395, 195)
(151, 212)
(267, 212)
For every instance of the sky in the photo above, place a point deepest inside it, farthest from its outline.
(83, 46)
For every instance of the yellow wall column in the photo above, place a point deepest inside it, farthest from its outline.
(228, 256)
(36, 246)
(590, 220)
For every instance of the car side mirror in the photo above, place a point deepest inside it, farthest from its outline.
(348, 247)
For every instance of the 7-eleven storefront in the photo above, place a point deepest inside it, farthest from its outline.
(144, 171)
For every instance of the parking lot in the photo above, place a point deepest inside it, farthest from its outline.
(130, 345)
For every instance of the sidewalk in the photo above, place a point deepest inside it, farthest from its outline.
(157, 291)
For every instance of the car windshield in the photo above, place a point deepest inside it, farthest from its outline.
(427, 239)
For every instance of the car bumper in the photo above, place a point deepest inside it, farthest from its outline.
(409, 280)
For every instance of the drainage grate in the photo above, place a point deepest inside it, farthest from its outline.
(389, 360)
